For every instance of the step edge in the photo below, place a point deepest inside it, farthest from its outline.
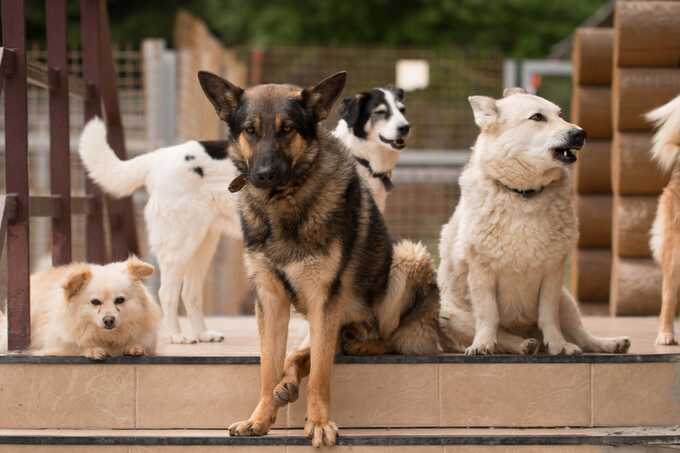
(11, 359)
(367, 440)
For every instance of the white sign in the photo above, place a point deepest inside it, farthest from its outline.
(413, 74)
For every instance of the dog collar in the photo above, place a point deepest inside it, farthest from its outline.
(385, 177)
(530, 193)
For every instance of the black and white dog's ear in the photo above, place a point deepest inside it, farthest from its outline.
(399, 93)
(350, 108)
(221, 93)
(321, 97)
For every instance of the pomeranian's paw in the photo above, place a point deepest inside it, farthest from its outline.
(135, 351)
(666, 338)
(180, 338)
(95, 353)
(210, 336)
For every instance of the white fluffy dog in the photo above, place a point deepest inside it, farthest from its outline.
(92, 310)
(189, 208)
(504, 250)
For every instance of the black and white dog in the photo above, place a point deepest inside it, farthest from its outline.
(373, 126)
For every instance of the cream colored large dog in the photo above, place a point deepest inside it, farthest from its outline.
(504, 250)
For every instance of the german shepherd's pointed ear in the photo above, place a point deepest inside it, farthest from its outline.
(221, 93)
(76, 281)
(320, 98)
(350, 108)
(138, 269)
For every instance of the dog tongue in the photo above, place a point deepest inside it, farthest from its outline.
(238, 183)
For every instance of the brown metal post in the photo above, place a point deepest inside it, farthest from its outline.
(89, 36)
(121, 212)
(60, 156)
(16, 176)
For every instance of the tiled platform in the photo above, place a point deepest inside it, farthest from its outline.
(209, 386)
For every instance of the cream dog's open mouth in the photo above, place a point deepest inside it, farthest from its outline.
(565, 154)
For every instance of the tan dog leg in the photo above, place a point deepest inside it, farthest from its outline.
(669, 295)
(324, 329)
(273, 313)
(295, 368)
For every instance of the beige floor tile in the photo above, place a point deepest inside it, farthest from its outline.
(512, 395)
(378, 395)
(636, 394)
(196, 396)
(66, 396)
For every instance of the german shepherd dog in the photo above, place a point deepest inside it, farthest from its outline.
(316, 240)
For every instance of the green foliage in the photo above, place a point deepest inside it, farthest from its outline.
(519, 28)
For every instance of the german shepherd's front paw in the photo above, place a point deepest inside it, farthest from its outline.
(666, 338)
(249, 427)
(286, 392)
(95, 353)
(322, 433)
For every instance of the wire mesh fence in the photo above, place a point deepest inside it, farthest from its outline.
(423, 199)
(439, 113)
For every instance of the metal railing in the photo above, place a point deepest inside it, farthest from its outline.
(17, 206)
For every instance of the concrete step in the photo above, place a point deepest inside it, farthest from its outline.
(592, 440)
(218, 385)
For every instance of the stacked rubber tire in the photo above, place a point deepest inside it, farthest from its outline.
(646, 55)
(591, 109)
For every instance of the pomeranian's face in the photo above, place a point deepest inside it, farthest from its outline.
(108, 296)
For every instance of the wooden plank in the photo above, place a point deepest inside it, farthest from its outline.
(60, 154)
(16, 177)
(52, 206)
(38, 74)
(120, 211)
(89, 32)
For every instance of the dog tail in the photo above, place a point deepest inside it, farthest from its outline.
(666, 142)
(117, 177)
(413, 276)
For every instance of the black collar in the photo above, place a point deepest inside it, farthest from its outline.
(529, 193)
(385, 177)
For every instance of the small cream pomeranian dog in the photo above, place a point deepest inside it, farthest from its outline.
(92, 310)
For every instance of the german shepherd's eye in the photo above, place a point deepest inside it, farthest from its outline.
(250, 130)
(286, 129)
(96, 302)
(537, 117)
(119, 300)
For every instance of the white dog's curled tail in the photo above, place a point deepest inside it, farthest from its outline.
(117, 177)
(666, 142)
